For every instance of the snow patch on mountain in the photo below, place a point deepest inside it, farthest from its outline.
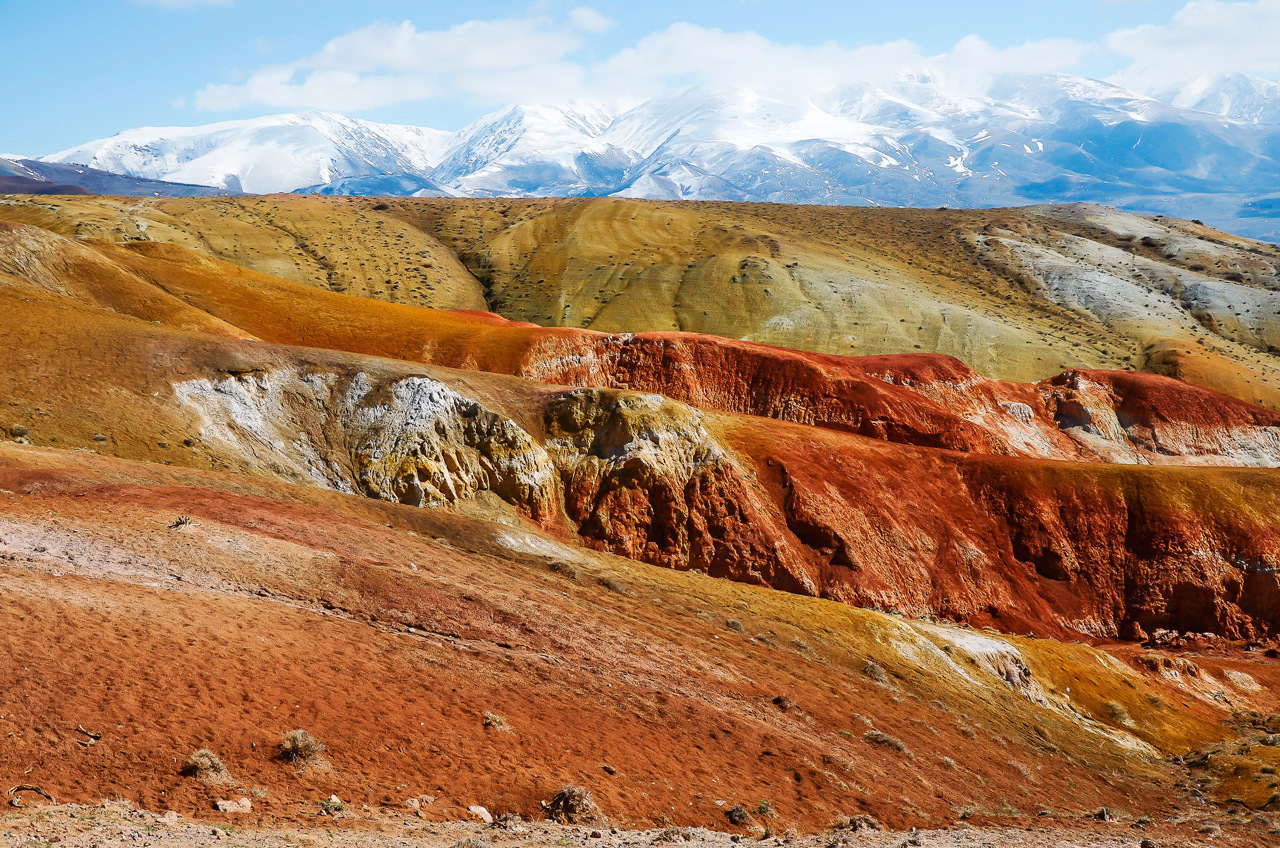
(1209, 149)
(262, 155)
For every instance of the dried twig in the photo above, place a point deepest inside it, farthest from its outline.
(27, 787)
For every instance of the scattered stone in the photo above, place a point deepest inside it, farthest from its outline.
(18, 431)
(595, 834)
(481, 813)
(99, 437)
(170, 817)
(608, 769)
(243, 805)
(1147, 843)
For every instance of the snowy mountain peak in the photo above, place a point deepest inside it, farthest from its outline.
(1240, 97)
(262, 155)
(1209, 149)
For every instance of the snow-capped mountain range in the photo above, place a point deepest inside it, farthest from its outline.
(1209, 149)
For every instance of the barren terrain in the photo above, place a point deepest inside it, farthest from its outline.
(481, 559)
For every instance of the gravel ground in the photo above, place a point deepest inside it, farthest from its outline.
(117, 823)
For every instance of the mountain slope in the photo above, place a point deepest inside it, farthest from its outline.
(53, 178)
(811, 499)
(261, 155)
(1015, 294)
(481, 560)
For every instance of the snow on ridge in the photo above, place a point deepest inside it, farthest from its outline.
(905, 141)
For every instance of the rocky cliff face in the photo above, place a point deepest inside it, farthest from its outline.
(644, 478)
(924, 400)
(410, 440)
(1108, 551)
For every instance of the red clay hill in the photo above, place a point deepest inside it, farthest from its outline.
(236, 505)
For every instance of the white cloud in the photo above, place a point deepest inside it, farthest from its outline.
(589, 20)
(684, 53)
(382, 64)
(1204, 37)
(539, 59)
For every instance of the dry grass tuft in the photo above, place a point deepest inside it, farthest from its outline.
(566, 569)
(879, 737)
(613, 584)
(573, 805)
(300, 747)
(1118, 712)
(876, 672)
(861, 821)
(207, 766)
(507, 821)
(496, 722)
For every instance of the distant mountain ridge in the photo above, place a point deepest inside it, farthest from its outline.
(1209, 149)
(29, 176)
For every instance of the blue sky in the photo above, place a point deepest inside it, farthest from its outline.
(77, 70)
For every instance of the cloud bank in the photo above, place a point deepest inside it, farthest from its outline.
(540, 58)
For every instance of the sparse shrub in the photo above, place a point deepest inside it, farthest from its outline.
(948, 762)
(876, 672)
(675, 834)
(566, 569)
(299, 746)
(855, 823)
(573, 805)
(496, 722)
(507, 821)
(879, 737)
(734, 625)
(332, 805)
(1118, 712)
(207, 766)
(381, 207)
(613, 584)
(738, 815)
(765, 810)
